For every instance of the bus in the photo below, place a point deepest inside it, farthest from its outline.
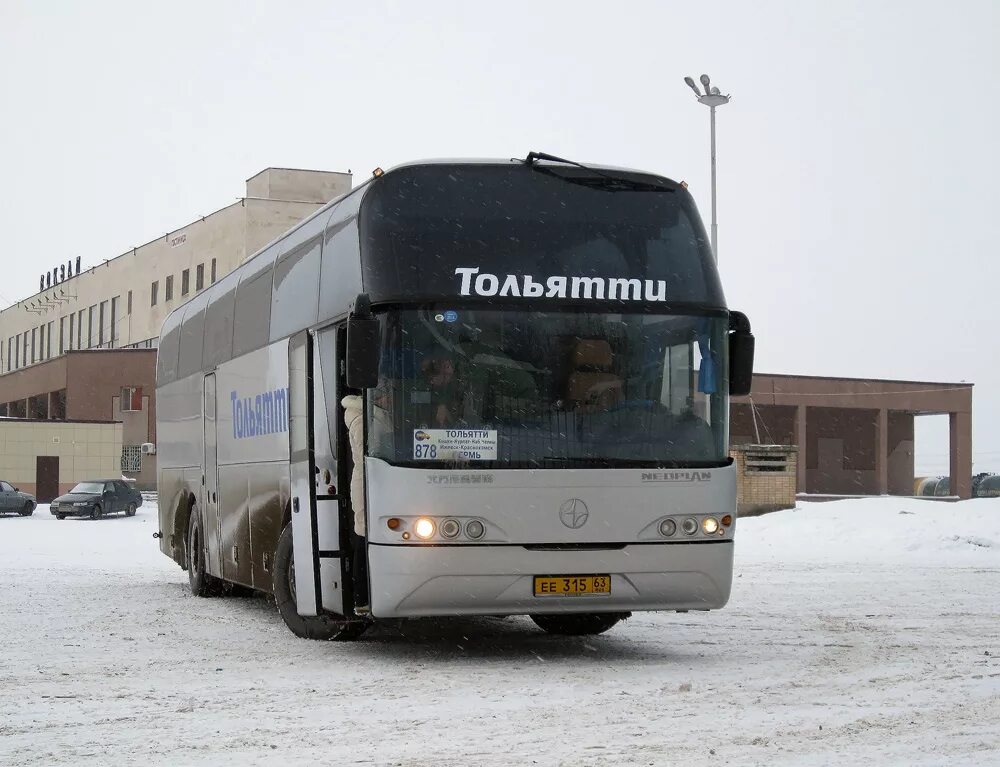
(464, 388)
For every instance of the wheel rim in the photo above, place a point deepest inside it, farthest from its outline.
(195, 548)
(290, 575)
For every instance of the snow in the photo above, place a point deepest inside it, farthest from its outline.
(859, 631)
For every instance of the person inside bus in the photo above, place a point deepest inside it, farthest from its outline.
(485, 384)
(353, 406)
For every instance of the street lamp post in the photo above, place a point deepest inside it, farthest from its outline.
(711, 98)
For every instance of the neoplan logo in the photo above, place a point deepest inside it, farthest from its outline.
(573, 513)
(524, 286)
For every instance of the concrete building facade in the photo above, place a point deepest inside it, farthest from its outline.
(122, 302)
(854, 436)
(46, 458)
(83, 349)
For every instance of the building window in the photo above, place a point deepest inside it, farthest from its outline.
(41, 343)
(10, 364)
(132, 458)
(90, 326)
(24, 349)
(152, 293)
(213, 271)
(185, 281)
(62, 335)
(128, 306)
(33, 347)
(48, 341)
(131, 399)
(199, 277)
(72, 327)
(17, 351)
(102, 317)
(168, 289)
(79, 329)
(113, 335)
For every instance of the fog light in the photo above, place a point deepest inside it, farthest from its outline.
(709, 525)
(689, 526)
(424, 528)
(393, 523)
(727, 520)
(668, 527)
(475, 529)
(450, 528)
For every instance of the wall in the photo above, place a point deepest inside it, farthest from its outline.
(229, 236)
(85, 451)
(765, 478)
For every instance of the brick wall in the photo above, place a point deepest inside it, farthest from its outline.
(765, 478)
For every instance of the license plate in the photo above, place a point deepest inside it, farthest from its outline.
(571, 585)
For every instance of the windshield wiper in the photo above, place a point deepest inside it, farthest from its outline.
(599, 180)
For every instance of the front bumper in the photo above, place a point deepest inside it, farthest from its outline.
(411, 581)
(70, 511)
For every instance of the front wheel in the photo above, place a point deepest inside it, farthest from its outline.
(27, 510)
(578, 624)
(60, 516)
(96, 512)
(130, 511)
(324, 626)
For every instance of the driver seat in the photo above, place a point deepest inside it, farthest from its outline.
(591, 386)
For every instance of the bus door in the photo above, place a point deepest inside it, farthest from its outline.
(211, 521)
(316, 529)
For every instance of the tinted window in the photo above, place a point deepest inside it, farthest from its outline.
(296, 289)
(420, 224)
(253, 305)
(6, 488)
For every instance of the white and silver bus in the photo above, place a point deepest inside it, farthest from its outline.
(537, 357)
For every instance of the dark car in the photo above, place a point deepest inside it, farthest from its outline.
(13, 501)
(97, 497)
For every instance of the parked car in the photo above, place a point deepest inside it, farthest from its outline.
(13, 501)
(96, 498)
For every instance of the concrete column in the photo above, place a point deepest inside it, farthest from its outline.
(882, 451)
(961, 454)
(800, 438)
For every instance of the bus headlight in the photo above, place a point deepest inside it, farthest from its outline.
(424, 528)
(667, 528)
(709, 525)
(450, 528)
(689, 526)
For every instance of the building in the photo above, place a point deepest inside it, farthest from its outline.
(854, 436)
(46, 458)
(85, 343)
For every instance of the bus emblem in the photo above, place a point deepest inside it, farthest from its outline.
(573, 513)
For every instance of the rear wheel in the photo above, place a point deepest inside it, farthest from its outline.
(130, 511)
(578, 624)
(29, 507)
(324, 626)
(202, 584)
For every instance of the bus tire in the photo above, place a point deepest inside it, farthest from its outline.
(202, 584)
(324, 626)
(578, 624)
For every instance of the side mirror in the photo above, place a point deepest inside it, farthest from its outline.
(362, 346)
(741, 344)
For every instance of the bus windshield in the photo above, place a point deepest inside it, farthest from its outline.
(529, 389)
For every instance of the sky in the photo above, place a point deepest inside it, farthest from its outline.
(856, 191)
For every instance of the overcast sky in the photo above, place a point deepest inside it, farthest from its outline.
(857, 161)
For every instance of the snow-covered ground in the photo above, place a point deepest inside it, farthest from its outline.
(859, 632)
